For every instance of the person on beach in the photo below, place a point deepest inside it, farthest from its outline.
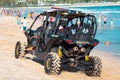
(32, 15)
(18, 21)
(24, 27)
(18, 13)
(29, 15)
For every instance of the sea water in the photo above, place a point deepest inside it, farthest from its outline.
(110, 33)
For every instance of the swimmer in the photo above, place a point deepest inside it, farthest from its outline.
(107, 42)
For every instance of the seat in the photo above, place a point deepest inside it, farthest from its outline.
(85, 33)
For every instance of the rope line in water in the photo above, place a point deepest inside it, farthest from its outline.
(115, 18)
(107, 42)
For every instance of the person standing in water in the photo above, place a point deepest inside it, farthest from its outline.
(111, 22)
(99, 19)
(105, 20)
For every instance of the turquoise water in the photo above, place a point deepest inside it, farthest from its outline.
(107, 33)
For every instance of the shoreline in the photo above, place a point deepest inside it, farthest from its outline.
(114, 54)
(96, 4)
(103, 52)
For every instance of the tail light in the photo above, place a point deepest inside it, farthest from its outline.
(95, 44)
(51, 19)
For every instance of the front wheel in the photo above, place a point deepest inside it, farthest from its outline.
(94, 69)
(52, 63)
(19, 50)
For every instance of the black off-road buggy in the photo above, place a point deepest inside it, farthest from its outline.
(63, 37)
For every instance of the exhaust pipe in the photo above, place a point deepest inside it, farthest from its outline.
(75, 48)
(82, 49)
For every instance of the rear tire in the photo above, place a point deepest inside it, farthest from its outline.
(19, 50)
(52, 63)
(95, 68)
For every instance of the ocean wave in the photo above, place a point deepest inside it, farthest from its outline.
(95, 11)
(82, 10)
(106, 12)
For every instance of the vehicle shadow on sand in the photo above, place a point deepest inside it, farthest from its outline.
(65, 67)
(37, 60)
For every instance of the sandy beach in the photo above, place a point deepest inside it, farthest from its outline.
(29, 69)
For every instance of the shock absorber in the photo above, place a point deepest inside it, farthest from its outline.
(60, 51)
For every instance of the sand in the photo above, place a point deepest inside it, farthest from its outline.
(29, 69)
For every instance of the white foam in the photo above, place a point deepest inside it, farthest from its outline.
(93, 11)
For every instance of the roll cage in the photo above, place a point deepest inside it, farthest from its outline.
(84, 31)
